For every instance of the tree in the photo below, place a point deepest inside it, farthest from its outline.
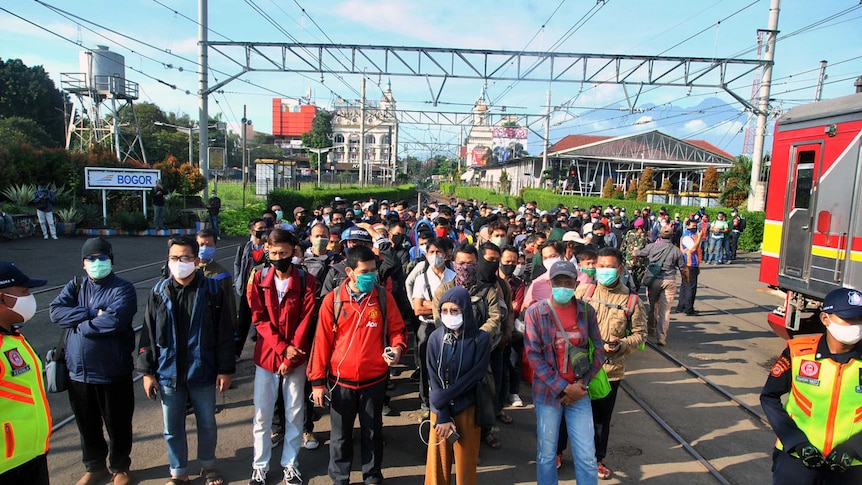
(667, 186)
(17, 130)
(737, 182)
(710, 179)
(505, 183)
(179, 177)
(30, 93)
(646, 183)
(319, 136)
(608, 189)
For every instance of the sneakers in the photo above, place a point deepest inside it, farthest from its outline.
(292, 476)
(277, 437)
(662, 341)
(258, 477)
(309, 441)
(93, 478)
(516, 401)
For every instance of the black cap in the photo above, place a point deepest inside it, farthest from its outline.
(844, 302)
(10, 276)
(96, 245)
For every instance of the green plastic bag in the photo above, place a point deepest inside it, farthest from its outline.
(600, 385)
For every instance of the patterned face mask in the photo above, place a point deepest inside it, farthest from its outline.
(465, 274)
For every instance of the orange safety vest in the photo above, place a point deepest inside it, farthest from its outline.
(24, 413)
(825, 397)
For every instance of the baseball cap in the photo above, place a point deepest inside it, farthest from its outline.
(10, 276)
(666, 232)
(356, 234)
(844, 302)
(298, 210)
(574, 237)
(564, 268)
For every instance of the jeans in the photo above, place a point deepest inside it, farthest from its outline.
(579, 421)
(159, 216)
(6, 225)
(47, 218)
(113, 404)
(266, 388)
(214, 224)
(516, 350)
(346, 404)
(733, 243)
(789, 470)
(423, 332)
(688, 291)
(716, 249)
(203, 401)
(661, 295)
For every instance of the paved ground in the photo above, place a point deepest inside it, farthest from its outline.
(733, 349)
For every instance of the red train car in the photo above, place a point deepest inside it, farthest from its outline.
(812, 238)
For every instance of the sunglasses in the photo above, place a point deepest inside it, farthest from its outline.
(97, 257)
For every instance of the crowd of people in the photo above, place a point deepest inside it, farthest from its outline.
(484, 297)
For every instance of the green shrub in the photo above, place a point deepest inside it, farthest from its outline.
(288, 199)
(234, 222)
(128, 221)
(488, 196)
(447, 188)
(752, 238)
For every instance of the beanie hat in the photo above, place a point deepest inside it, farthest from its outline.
(96, 245)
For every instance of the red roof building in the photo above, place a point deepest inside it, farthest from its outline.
(290, 124)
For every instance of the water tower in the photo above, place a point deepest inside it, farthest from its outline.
(103, 109)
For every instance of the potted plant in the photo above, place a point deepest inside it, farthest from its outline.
(69, 218)
(203, 217)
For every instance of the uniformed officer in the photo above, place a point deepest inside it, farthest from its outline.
(23, 402)
(819, 431)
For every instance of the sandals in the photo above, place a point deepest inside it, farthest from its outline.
(212, 477)
(604, 472)
(492, 441)
(505, 418)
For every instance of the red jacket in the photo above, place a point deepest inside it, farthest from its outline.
(283, 323)
(350, 352)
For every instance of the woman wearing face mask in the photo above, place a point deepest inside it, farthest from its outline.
(458, 357)
(30, 422)
(819, 438)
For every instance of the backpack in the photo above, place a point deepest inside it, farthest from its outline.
(653, 269)
(628, 309)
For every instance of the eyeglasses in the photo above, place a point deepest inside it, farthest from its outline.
(181, 259)
(97, 257)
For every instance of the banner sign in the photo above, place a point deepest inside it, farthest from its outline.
(120, 179)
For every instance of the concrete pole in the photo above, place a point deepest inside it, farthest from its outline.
(820, 79)
(244, 155)
(203, 115)
(362, 168)
(545, 142)
(757, 197)
(393, 150)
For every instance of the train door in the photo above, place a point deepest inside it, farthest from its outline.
(797, 233)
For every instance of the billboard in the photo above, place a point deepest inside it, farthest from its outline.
(506, 144)
(120, 178)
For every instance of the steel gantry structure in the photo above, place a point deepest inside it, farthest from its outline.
(481, 64)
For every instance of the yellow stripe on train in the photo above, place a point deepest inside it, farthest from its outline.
(771, 237)
(834, 253)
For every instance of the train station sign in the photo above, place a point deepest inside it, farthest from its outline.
(99, 178)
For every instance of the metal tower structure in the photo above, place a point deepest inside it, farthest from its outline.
(750, 125)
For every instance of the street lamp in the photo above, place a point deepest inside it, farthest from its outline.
(319, 151)
(189, 130)
(245, 123)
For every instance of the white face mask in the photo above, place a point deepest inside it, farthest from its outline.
(452, 322)
(296, 260)
(846, 334)
(519, 270)
(181, 270)
(24, 306)
(547, 263)
(436, 260)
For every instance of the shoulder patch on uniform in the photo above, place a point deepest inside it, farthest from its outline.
(780, 367)
(17, 362)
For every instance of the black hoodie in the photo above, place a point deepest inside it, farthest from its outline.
(469, 357)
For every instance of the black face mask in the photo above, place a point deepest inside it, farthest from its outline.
(269, 222)
(487, 271)
(259, 234)
(508, 269)
(281, 265)
(398, 240)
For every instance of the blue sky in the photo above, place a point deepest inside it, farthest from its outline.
(647, 27)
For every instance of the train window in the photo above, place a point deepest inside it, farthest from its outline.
(804, 179)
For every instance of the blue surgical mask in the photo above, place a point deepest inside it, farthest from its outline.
(365, 282)
(206, 253)
(562, 295)
(98, 269)
(606, 276)
(279, 215)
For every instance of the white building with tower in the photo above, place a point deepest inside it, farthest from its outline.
(101, 89)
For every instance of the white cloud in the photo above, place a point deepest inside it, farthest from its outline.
(694, 125)
(645, 120)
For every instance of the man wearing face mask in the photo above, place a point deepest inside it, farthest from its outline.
(622, 322)
(819, 439)
(206, 239)
(349, 363)
(28, 421)
(186, 353)
(555, 327)
(96, 317)
(426, 283)
(540, 287)
(247, 257)
(398, 238)
(512, 358)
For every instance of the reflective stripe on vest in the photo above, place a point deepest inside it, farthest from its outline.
(24, 412)
(825, 397)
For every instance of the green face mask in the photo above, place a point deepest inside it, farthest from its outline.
(365, 282)
(606, 276)
(562, 295)
(98, 269)
(591, 272)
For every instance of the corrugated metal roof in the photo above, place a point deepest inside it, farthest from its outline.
(830, 107)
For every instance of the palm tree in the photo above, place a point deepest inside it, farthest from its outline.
(737, 182)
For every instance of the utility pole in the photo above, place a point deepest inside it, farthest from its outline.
(244, 155)
(203, 123)
(820, 79)
(545, 143)
(362, 168)
(757, 197)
